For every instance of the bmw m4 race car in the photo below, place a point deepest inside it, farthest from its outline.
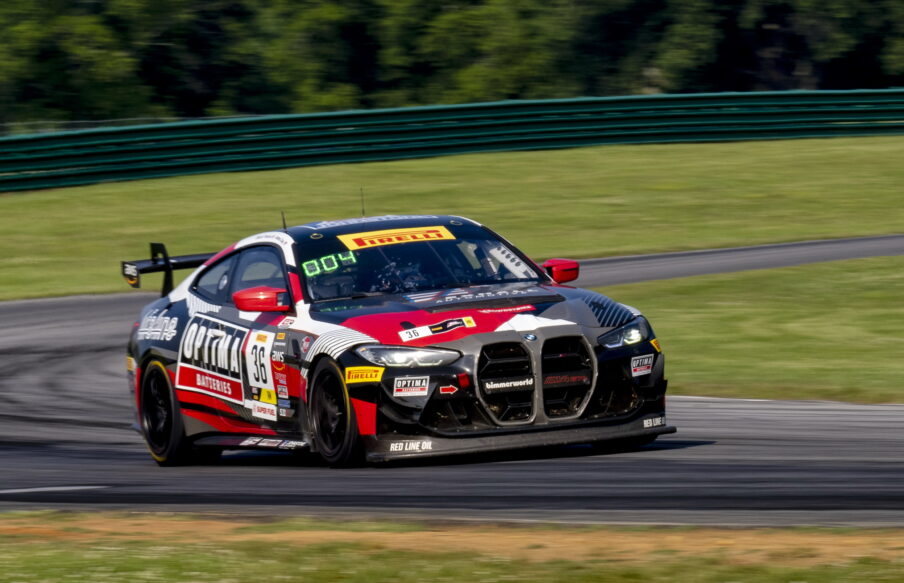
(384, 338)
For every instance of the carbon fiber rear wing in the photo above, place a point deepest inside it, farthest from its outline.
(161, 261)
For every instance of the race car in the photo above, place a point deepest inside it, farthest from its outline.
(374, 339)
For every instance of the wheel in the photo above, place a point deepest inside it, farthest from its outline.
(333, 424)
(161, 421)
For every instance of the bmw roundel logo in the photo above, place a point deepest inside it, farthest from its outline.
(530, 337)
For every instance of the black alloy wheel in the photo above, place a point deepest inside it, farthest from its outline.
(156, 410)
(161, 421)
(332, 419)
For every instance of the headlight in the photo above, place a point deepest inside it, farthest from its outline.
(405, 356)
(637, 330)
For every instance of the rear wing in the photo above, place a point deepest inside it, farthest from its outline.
(161, 261)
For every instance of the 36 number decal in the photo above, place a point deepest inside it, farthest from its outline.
(257, 359)
(259, 368)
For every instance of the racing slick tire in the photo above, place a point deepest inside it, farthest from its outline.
(333, 425)
(161, 422)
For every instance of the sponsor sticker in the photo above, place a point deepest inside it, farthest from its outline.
(363, 374)
(251, 441)
(325, 224)
(555, 380)
(289, 444)
(395, 236)
(448, 390)
(411, 445)
(411, 387)
(508, 385)
(130, 364)
(513, 309)
(464, 295)
(280, 335)
(157, 326)
(438, 328)
(270, 442)
(282, 391)
(641, 365)
(286, 323)
(268, 396)
(210, 358)
(131, 273)
(262, 410)
(653, 422)
(655, 343)
(305, 344)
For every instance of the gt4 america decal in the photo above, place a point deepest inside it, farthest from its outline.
(210, 358)
(438, 328)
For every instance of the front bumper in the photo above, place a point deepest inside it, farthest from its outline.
(398, 446)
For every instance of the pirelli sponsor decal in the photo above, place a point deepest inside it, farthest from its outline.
(439, 328)
(210, 358)
(363, 374)
(370, 239)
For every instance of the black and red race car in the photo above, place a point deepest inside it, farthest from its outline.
(383, 338)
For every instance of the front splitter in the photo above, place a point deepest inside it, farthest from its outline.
(398, 446)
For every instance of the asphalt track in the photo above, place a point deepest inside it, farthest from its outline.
(65, 440)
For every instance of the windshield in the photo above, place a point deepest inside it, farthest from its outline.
(404, 260)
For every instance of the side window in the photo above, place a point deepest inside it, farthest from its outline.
(259, 266)
(214, 283)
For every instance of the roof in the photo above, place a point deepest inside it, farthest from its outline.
(357, 225)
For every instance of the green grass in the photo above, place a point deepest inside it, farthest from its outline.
(585, 202)
(32, 562)
(305, 524)
(821, 331)
(124, 547)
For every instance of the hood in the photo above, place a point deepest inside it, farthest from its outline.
(435, 317)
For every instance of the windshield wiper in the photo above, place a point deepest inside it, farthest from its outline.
(356, 296)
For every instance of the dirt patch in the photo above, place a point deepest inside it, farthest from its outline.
(792, 547)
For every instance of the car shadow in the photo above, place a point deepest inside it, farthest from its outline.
(297, 459)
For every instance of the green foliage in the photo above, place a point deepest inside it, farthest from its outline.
(97, 59)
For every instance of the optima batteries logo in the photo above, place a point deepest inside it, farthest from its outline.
(394, 236)
(210, 358)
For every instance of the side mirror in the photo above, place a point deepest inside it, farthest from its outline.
(261, 299)
(562, 270)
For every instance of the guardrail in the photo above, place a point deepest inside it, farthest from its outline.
(36, 161)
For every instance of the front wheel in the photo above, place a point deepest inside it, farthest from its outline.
(333, 424)
(161, 421)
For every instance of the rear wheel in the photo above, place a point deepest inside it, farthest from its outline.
(333, 424)
(161, 421)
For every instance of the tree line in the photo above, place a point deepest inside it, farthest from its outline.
(109, 59)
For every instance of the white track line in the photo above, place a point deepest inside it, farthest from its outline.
(52, 489)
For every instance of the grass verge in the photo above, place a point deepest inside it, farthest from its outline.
(821, 331)
(602, 201)
(142, 547)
